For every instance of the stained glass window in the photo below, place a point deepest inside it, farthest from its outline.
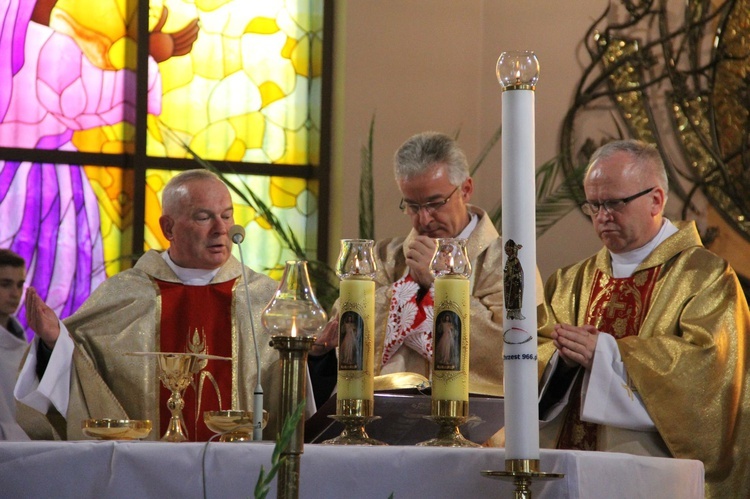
(88, 140)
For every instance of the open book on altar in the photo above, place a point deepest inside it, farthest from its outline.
(403, 402)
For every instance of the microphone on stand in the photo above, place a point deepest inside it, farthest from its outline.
(237, 235)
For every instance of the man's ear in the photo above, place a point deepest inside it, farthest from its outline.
(659, 201)
(467, 189)
(167, 224)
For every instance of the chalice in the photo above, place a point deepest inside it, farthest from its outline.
(176, 372)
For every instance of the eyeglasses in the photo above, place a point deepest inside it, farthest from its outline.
(591, 208)
(430, 208)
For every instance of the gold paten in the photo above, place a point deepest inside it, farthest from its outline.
(232, 425)
(116, 429)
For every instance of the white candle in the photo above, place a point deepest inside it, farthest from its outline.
(519, 240)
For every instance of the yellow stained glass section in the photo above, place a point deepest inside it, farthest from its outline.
(113, 188)
(240, 86)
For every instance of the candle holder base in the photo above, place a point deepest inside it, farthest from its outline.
(449, 433)
(522, 472)
(354, 431)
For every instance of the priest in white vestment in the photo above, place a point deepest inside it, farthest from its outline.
(187, 299)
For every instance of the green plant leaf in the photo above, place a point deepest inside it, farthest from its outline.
(366, 189)
(283, 440)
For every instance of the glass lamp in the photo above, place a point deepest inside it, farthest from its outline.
(293, 317)
(517, 70)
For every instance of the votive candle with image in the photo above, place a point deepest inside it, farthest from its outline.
(356, 268)
(450, 335)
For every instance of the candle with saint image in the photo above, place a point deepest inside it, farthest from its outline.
(356, 345)
(356, 268)
(450, 333)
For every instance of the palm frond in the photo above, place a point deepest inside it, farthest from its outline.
(486, 150)
(366, 189)
(555, 195)
(283, 439)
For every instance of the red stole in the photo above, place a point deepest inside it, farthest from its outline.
(616, 307)
(198, 319)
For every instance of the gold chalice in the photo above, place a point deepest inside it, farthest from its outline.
(233, 426)
(176, 372)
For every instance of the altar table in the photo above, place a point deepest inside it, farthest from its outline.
(94, 469)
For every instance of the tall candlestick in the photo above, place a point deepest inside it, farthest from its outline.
(518, 73)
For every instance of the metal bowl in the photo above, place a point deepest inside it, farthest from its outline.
(233, 426)
(116, 429)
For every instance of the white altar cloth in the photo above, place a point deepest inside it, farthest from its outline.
(91, 469)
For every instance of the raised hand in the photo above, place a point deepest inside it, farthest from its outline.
(42, 319)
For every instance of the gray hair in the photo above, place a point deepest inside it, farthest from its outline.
(644, 155)
(175, 190)
(426, 149)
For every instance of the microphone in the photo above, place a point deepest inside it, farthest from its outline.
(237, 234)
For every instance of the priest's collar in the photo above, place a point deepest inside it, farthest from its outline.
(624, 264)
(190, 277)
(473, 221)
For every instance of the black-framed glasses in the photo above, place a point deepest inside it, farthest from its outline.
(591, 208)
(431, 207)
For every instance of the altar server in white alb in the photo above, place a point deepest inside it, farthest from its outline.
(12, 340)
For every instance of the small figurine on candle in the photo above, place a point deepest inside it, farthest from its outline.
(513, 281)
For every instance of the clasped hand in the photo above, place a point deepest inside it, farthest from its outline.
(419, 255)
(576, 345)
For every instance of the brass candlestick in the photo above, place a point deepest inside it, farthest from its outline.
(449, 415)
(354, 414)
(521, 472)
(293, 317)
(293, 355)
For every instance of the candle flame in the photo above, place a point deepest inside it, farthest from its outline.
(356, 264)
(293, 332)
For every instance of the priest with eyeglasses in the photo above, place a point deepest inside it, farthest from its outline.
(432, 173)
(647, 339)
